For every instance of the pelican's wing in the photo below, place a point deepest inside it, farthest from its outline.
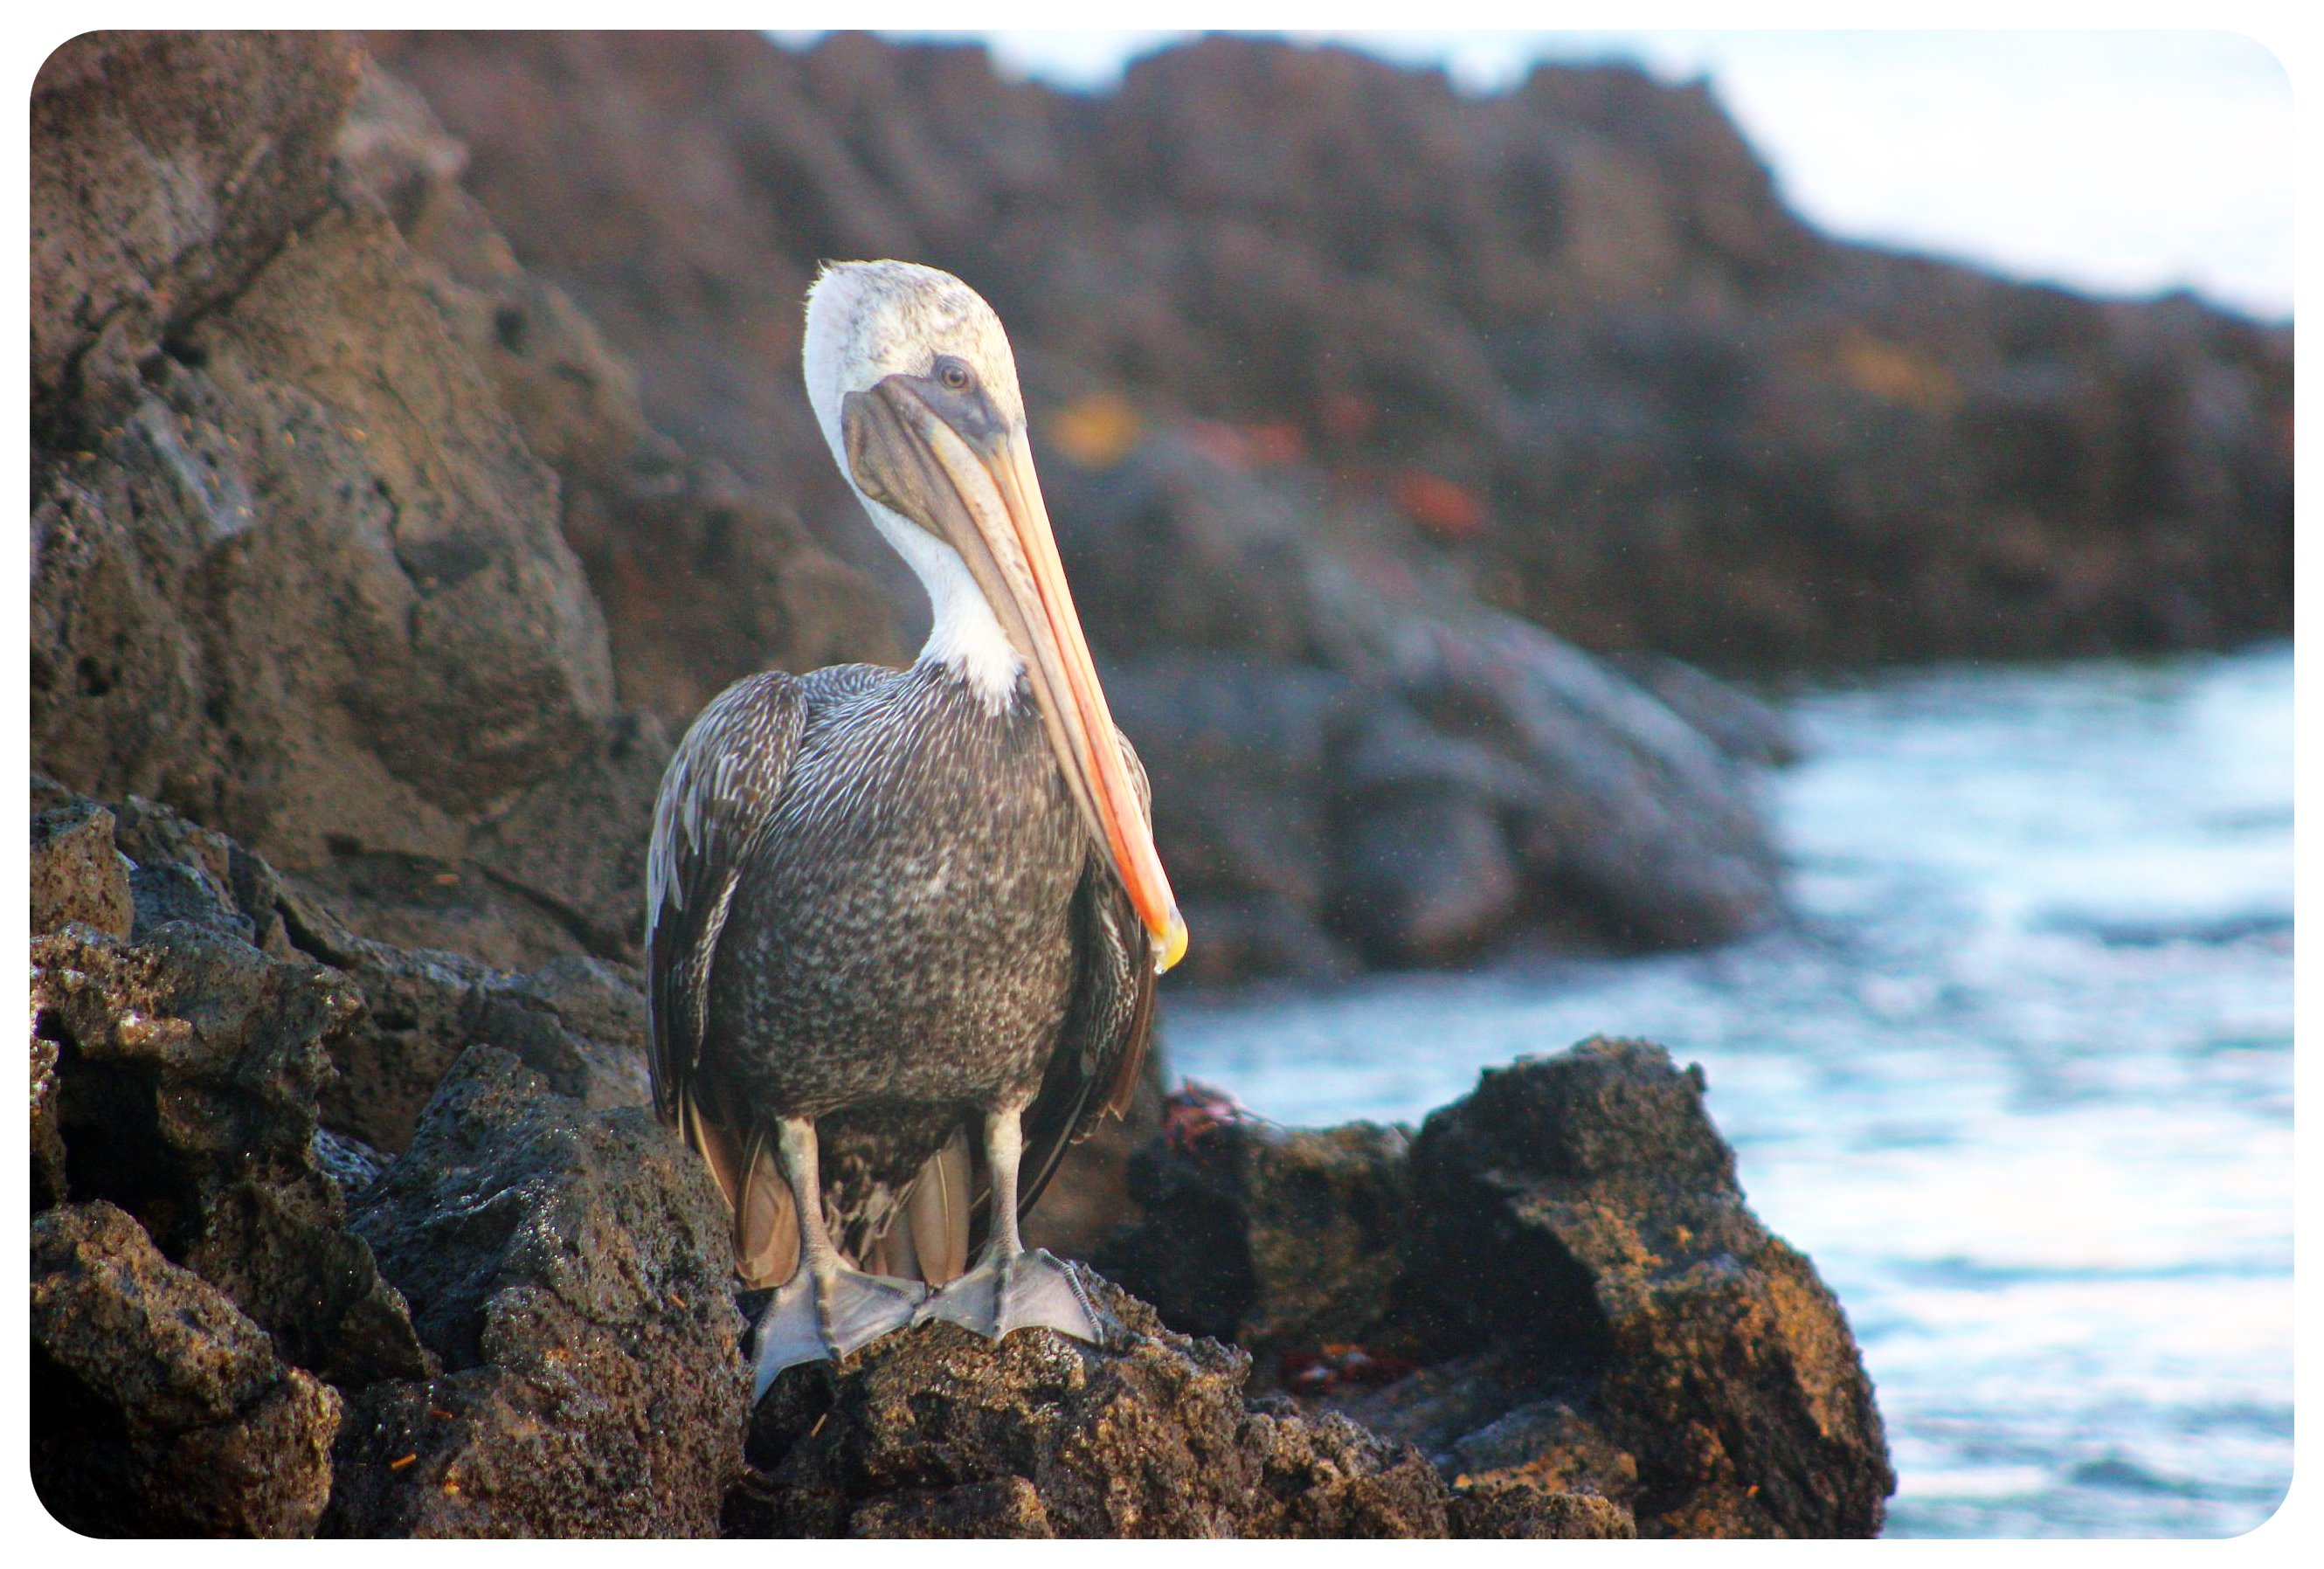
(717, 799)
(1102, 1047)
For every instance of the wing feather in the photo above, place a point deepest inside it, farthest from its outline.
(716, 797)
(1102, 1047)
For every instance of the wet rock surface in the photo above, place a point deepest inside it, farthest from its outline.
(77, 874)
(1274, 1239)
(184, 1079)
(1559, 1282)
(550, 1348)
(1548, 1313)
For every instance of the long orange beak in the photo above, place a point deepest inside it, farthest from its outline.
(949, 465)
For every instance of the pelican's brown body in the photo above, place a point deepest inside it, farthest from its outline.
(918, 931)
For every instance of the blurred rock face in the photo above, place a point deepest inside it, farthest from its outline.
(1569, 332)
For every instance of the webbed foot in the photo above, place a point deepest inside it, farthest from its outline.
(1012, 1292)
(854, 1310)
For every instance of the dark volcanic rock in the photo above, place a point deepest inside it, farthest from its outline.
(1241, 754)
(312, 584)
(934, 1432)
(49, 1184)
(158, 1409)
(1739, 724)
(1424, 773)
(1561, 1287)
(185, 1081)
(1522, 1510)
(169, 167)
(1584, 1204)
(579, 1023)
(573, 1270)
(1274, 1239)
(562, 1356)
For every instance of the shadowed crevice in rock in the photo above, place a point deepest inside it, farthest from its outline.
(185, 1077)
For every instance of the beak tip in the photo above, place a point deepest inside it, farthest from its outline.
(1170, 942)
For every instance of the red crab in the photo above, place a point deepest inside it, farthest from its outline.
(1190, 1112)
(1333, 1366)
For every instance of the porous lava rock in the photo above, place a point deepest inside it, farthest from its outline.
(77, 874)
(168, 168)
(703, 579)
(578, 1021)
(572, 1271)
(934, 1432)
(1583, 1206)
(186, 1070)
(527, 1316)
(1559, 1284)
(311, 583)
(158, 1409)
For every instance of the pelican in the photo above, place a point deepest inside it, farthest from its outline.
(893, 912)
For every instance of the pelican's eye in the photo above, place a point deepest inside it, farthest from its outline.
(953, 373)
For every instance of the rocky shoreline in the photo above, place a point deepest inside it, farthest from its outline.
(382, 539)
(1547, 1313)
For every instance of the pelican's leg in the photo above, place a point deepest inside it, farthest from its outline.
(825, 1310)
(1011, 1288)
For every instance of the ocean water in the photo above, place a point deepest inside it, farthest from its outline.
(2018, 1079)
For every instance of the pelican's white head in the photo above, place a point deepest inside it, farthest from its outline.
(916, 390)
(866, 322)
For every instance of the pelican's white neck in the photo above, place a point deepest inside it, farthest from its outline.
(963, 635)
